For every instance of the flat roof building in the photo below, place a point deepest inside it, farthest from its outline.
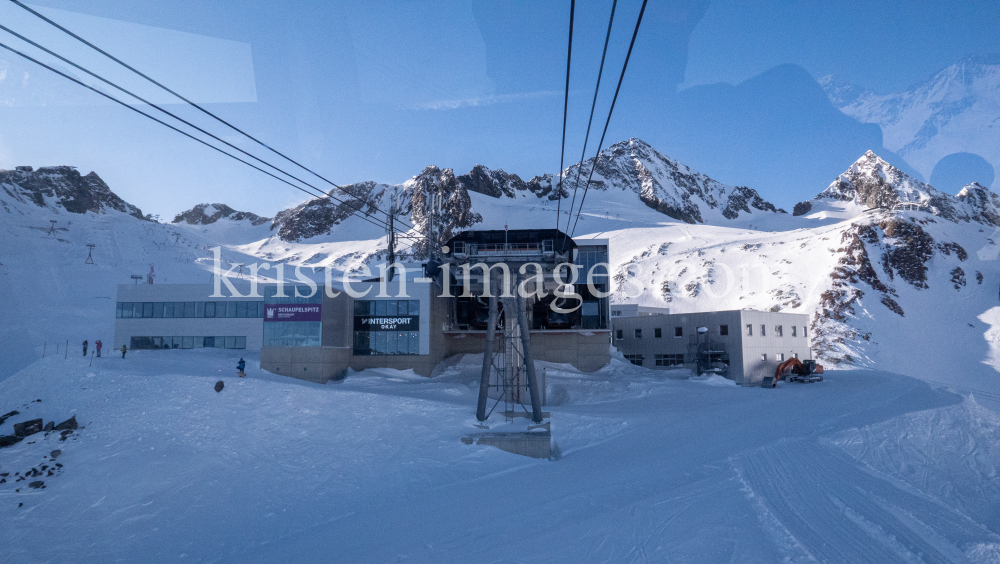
(412, 322)
(185, 316)
(742, 345)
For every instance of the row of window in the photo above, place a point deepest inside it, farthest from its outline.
(387, 307)
(156, 310)
(386, 342)
(778, 331)
(661, 360)
(188, 342)
(723, 331)
(667, 360)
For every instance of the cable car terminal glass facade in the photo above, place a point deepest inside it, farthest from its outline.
(291, 320)
(386, 327)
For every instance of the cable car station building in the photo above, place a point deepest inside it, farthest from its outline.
(422, 316)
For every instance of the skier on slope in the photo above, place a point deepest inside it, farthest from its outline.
(85, 347)
(124, 350)
(240, 366)
(98, 345)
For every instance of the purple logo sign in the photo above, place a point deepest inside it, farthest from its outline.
(292, 312)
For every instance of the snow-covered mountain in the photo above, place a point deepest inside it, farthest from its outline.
(872, 281)
(956, 110)
(61, 187)
(627, 173)
(873, 183)
(207, 214)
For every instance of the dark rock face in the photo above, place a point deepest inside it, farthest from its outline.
(802, 208)
(456, 207)
(206, 214)
(68, 424)
(28, 428)
(984, 203)
(8, 415)
(498, 183)
(51, 186)
(908, 248)
(7, 440)
(742, 199)
(319, 215)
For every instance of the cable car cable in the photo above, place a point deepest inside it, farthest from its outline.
(203, 110)
(562, 153)
(186, 134)
(600, 72)
(319, 194)
(628, 55)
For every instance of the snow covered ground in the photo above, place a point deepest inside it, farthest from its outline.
(863, 467)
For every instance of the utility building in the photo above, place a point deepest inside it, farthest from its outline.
(742, 345)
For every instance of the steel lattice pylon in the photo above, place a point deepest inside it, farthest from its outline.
(507, 360)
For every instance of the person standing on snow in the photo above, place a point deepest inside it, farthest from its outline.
(98, 345)
(85, 347)
(124, 350)
(240, 366)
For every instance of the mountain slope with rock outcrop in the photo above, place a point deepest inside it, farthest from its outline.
(207, 214)
(60, 187)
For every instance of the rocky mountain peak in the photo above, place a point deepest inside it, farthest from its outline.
(206, 214)
(871, 182)
(63, 187)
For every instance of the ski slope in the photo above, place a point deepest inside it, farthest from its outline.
(652, 467)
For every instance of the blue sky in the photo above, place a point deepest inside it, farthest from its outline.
(379, 90)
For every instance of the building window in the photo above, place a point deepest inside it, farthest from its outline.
(678, 332)
(795, 355)
(616, 313)
(763, 330)
(749, 330)
(635, 359)
(657, 332)
(665, 360)
(777, 330)
(793, 331)
(803, 330)
(638, 333)
(618, 334)
(386, 327)
(232, 342)
(723, 330)
(781, 357)
(763, 357)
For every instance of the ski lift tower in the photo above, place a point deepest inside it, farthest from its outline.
(90, 253)
(136, 277)
(507, 365)
(52, 230)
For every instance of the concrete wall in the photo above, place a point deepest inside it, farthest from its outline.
(315, 364)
